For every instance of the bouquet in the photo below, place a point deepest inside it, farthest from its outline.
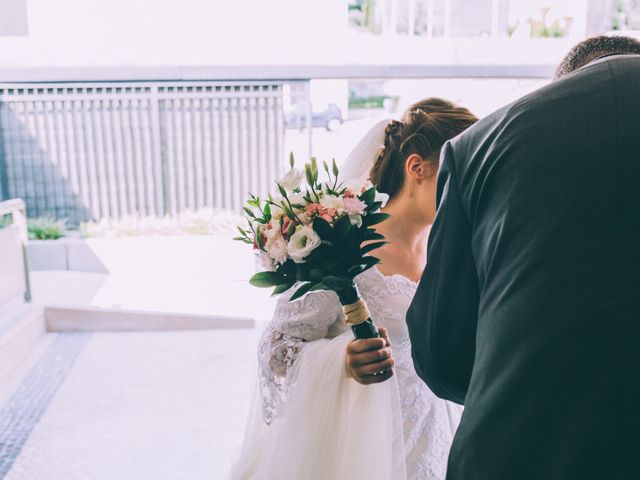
(316, 236)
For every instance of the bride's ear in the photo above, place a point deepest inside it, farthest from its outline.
(419, 168)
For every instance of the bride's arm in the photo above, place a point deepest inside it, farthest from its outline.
(293, 325)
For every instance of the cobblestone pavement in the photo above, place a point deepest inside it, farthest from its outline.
(120, 406)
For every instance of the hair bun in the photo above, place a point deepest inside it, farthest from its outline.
(393, 129)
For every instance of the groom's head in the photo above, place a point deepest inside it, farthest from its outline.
(595, 48)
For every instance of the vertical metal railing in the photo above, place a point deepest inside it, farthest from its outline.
(88, 151)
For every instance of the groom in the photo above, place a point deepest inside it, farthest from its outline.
(529, 308)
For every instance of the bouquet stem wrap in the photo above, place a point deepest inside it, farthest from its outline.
(356, 314)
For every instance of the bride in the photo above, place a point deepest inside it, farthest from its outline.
(317, 416)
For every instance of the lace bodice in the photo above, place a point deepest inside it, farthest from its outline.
(427, 421)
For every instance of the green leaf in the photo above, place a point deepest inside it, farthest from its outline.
(318, 286)
(249, 212)
(324, 229)
(266, 279)
(317, 255)
(355, 270)
(334, 282)
(282, 191)
(317, 273)
(267, 212)
(335, 168)
(288, 212)
(291, 229)
(342, 228)
(301, 291)
(372, 246)
(292, 160)
(374, 207)
(288, 268)
(309, 174)
(281, 288)
(252, 203)
(259, 240)
(372, 235)
(368, 196)
(369, 262)
(325, 166)
(374, 218)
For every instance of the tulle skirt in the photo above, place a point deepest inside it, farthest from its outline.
(331, 427)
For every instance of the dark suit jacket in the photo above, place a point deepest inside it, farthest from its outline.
(529, 309)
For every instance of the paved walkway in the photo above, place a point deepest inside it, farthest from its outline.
(143, 406)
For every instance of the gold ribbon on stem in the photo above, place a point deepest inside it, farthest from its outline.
(355, 313)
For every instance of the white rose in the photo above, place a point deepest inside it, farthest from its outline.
(291, 180)
(331, 201)
(302, 243)
(381, 197)
(297, 198)
(356, 220)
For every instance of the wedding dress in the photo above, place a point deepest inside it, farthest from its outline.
(310, 420)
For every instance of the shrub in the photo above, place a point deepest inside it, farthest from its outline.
(46, 228)
(207, 221)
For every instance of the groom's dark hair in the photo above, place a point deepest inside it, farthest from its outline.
(594, 48)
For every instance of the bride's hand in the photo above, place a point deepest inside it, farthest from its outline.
(370, 360)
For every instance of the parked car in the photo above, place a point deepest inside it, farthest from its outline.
(327, 115)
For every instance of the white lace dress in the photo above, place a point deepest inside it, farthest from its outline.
(325, 425)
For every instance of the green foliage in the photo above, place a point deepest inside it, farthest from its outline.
(46, 228)
(5, 220)
(369, 102)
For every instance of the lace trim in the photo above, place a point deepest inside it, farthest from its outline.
(375, 288)
(277, 353)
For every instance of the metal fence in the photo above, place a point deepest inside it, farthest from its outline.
(88, 151)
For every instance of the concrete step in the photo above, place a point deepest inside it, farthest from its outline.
(94, 319)
(21, 328)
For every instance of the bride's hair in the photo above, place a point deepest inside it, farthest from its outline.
(424, 129)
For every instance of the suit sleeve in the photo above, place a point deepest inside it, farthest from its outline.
(442, 318)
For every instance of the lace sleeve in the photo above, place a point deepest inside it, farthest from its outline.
(293, 324)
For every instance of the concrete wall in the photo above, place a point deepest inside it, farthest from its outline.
(12, 279)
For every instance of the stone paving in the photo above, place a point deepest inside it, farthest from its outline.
(120, 406)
